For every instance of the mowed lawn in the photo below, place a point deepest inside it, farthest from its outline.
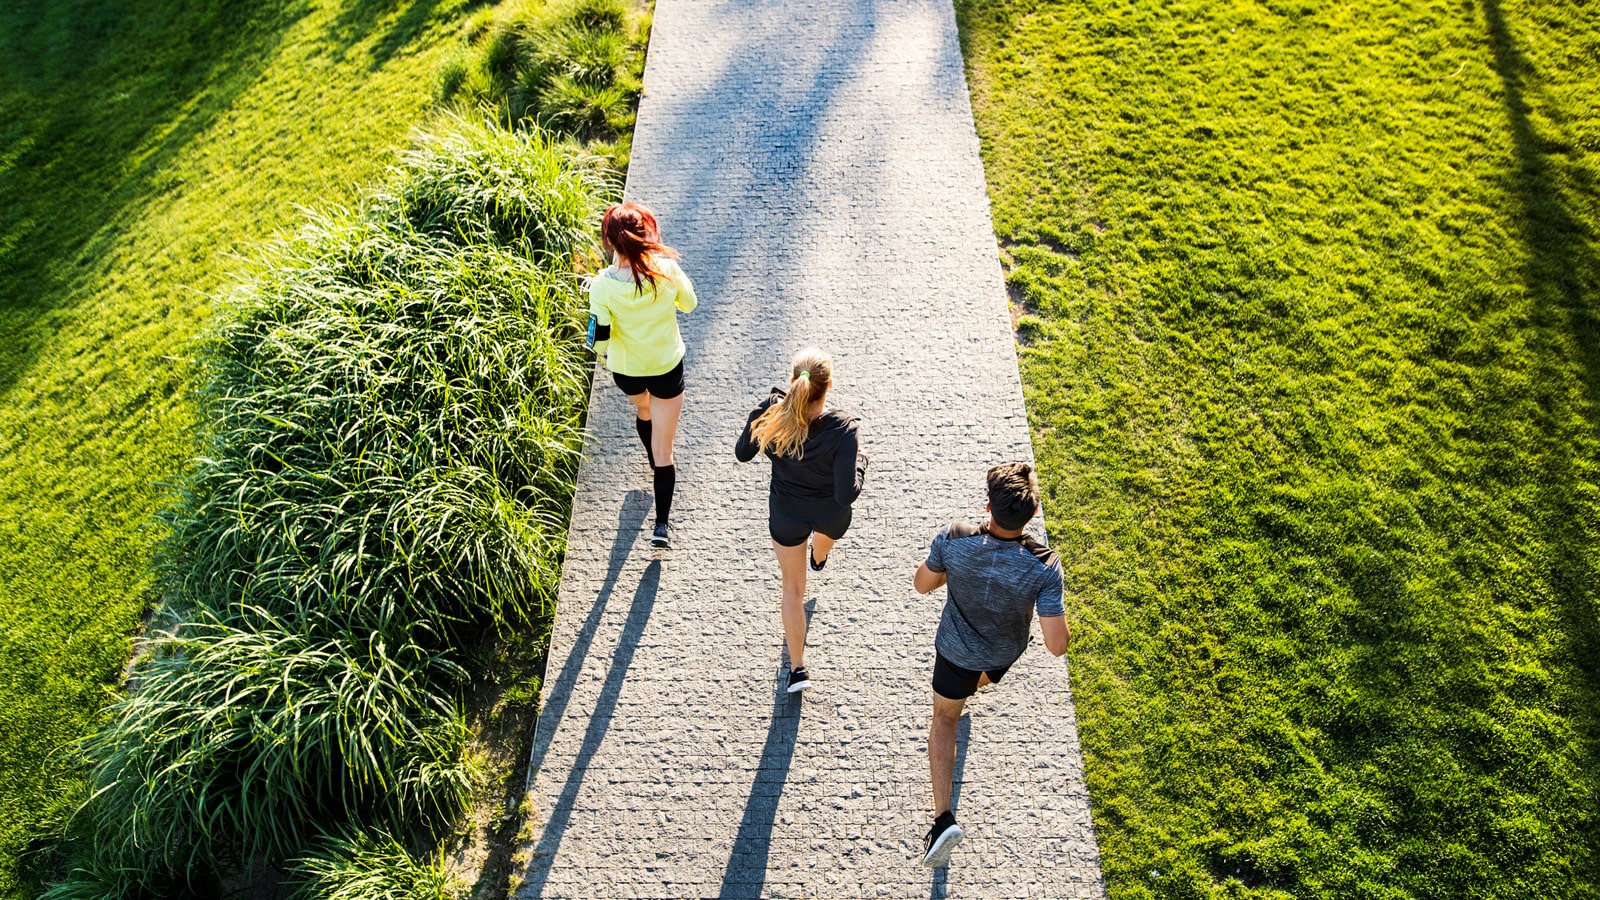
(142, 146)
(1308, 297)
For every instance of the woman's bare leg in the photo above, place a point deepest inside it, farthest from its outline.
(664, 428)
(821, 546)
(792, 563)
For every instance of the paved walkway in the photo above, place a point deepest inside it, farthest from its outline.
(816, 164)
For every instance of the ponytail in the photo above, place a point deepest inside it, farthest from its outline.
(784, 426)
(630, 229)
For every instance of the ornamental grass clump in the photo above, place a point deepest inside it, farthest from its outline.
(392, 425)
(237, 744)
(467, 185)
(575, 68)
(355, 866)
(395, 433)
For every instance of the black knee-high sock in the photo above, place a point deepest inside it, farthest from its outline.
(643, 427)
(666, 481)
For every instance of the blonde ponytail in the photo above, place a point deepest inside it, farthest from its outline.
(784, 426)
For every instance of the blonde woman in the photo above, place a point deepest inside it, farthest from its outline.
(817, 473)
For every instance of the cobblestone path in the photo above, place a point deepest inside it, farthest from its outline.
(816, 164)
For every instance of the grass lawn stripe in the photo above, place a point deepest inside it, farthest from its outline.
(1306, 298)
(142, 147)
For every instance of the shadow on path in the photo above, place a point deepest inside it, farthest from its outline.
(630, 518)
(746, 873)
(644, 598)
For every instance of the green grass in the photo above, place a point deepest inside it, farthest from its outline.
(573, 66)
(142, 146)
(1307, 297)
(365, 867)
(391, 412)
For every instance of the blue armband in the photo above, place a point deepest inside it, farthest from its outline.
(597, 333)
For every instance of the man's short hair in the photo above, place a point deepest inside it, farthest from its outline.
(1013, 497)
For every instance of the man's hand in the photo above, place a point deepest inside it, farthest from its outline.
(928, 580)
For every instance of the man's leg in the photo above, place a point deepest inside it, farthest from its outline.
(942, 750)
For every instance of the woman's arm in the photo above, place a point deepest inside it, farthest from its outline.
(599, 331)
(849, 468)
(747, 448)
(686, 300)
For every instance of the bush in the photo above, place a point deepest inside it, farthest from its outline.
(392, 411)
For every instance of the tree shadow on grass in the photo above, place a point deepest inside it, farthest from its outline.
(1454, 727)
(101, 102)
(359, 20)
(97, 104)
(1562, 278)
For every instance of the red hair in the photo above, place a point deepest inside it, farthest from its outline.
(630, 229)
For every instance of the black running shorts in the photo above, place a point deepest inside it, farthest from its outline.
(661, 387)
(794, 532)
(952, 682)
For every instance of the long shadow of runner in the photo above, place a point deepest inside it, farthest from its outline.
(746, 874)
(941, 886)
(644, 598)
(635, 506)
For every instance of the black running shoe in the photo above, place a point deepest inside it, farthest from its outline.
(942, 838)
(658, 538)
(812, 559)
(798, 680)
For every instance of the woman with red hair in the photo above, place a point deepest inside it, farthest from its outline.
(633, 322)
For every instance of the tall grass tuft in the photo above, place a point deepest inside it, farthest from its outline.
(392, 408)
(474, 183)
(574, 67)
(357, 866)
(244, 743)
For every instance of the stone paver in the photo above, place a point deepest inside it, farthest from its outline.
(816, 164)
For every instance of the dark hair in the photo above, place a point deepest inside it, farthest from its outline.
(630, 229)
(1013, 497)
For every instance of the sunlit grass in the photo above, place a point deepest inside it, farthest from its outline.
(143, 148)
(1307, 302)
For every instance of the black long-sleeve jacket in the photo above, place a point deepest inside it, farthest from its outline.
(825, 478)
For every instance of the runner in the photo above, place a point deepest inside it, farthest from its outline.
(633, 322)
(998, 579)
(817, 472)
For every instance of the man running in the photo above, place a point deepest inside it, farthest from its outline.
(998, 579)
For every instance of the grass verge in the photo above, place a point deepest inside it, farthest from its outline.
(392, 411)
(143, 146)
(1306, 300)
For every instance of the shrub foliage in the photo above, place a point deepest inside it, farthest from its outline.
(393, 408)
(573, 67)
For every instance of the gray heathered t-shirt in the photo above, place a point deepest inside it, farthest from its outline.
(995, 586)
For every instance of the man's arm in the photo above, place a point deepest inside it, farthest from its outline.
(1056, 634)
(928, 580)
